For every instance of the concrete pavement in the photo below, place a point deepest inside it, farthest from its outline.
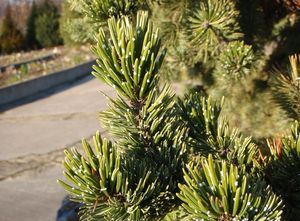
(33, 137)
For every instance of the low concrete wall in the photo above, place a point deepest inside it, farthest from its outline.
(31, 87)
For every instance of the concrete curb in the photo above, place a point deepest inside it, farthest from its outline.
(24, 89)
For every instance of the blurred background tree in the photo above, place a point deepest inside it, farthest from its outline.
(73, 26)
(31, 41)
(47, 25)
(11, 39)
(37, 21)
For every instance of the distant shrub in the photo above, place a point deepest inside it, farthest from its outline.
(74, 26)
(31, 41)
(11, 39)
(65, 23)
(47, 25)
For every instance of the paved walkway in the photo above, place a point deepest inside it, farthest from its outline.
(33, 137)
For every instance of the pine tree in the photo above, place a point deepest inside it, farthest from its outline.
(178, 158)
(31, 41)
(74, 26)
(47, 25)
(152, 170)
(11, 39)
(67, 26)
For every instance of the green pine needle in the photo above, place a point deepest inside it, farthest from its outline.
(214, 190)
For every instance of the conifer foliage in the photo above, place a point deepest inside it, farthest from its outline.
(174, 158)
(143, 119)
(88, 16)
(213, 24)
(74, 27)
(216, 191)
(282, 170)
(287, 89)
(30, 38)
(47, 25)
(11, 39)
(171, 157)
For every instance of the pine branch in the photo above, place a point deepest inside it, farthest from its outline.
(168, 15)
(130, 60)
(98, 11)
(143, 119)
(213, 24)
(235, 61)
(209, 134)
(180, 58)
(96, 178)
(282, 170)
(217, 191)
(286, 89)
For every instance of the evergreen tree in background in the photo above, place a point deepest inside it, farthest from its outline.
(11, 39)
(65, 25)
(73, 26)
(47, 25)
(31, 41)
